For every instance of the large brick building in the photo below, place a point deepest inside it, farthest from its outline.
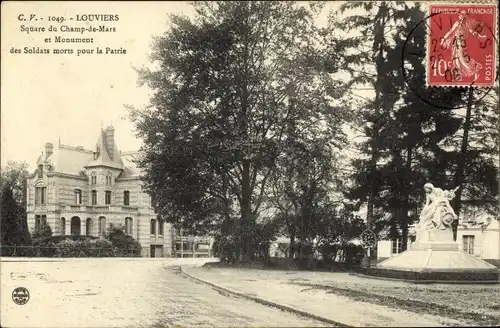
(81, 192)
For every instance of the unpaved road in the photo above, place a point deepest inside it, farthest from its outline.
(100, 293)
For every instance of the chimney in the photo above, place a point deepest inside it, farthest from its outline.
(110, 141)
(49, 149)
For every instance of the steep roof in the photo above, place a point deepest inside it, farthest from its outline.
(130, 168)
(69, 160)
(73, 160)
(106, 151)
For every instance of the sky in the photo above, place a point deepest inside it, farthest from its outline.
(47, 98)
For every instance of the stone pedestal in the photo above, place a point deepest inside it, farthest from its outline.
(436, 257)
(436, 235)
(435, 246)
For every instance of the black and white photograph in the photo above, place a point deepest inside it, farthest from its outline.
(249, 164)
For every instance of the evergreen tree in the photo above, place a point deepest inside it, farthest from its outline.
(416, 132)
(12, 233)
(376, 65)
(13, 175)
(475, 155)
(410, 144)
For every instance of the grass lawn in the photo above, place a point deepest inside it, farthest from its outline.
(474, 304)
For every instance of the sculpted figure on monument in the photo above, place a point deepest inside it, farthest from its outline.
(437, 212)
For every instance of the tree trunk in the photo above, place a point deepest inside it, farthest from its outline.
(379, 30)
(406, 203)
(291, 252)
(459, 173)
(246, 203)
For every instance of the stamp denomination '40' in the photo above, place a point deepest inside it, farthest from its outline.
(461, 45)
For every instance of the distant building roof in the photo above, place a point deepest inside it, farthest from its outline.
(74, 160)
(130, 168)
(69, 160)
(107, 154)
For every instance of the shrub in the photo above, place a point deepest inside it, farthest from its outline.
(84, 248)
(224, 248)
(124, 245)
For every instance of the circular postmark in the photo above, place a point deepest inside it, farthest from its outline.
(20, 295)
(449, 57)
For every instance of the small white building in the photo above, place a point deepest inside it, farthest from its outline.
(478, 238)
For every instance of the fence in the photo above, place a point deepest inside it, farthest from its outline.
(64, 251)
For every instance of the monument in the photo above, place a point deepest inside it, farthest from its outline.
(435, 256)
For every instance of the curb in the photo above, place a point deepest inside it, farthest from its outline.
(428, 282)
(264, 302)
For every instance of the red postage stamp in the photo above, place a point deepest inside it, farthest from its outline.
(462, 45)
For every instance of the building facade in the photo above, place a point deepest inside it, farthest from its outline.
(82, 192)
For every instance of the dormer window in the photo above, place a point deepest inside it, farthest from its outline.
(96, 152)
(40, 171)
(93, 178)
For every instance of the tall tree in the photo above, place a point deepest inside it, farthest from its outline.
(407, 140)
(13, 180)
(475, 155)
(302, 186)
(14, 175)
(227, 84)
(12, 230)
(375, 65)
(417, 131)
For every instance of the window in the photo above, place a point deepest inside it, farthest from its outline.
(468, 242)
(397, 246)
(40, 195)
(153, 227)
(126, 197)
(78, 196)
(94, 197)
(76, 226)
(37, 196)
(128, 225)
(93, 178)
(102, 225)
(40, 171)
(108, 179)
(107, 198)
(44, 196)
(63, 226)
(160, 227)
(38, 223)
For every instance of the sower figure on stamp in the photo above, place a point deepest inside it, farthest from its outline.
(437, 212)
(463, 64)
